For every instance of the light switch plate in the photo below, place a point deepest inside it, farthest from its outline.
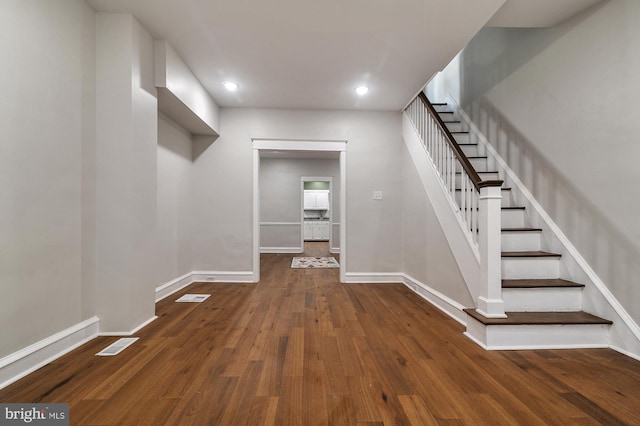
(377, 195)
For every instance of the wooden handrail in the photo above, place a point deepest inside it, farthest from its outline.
(462, 158)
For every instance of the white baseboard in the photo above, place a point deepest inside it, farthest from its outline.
(130, 332)
(25, 361)
(437, 299)
(172, 286)
(223, 276)
(373, 277)
(281, 250)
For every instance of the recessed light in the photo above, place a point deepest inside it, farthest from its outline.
(362, 90)
(230, 86)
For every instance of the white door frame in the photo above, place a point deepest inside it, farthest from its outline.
(339, 146)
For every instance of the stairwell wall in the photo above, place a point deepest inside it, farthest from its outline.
(560, 106)
(427, 254)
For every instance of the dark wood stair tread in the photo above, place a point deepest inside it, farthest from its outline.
(540, 283)
(540, 318)
(534, 253)
(504, 208)
(521, 229)
(506, 188)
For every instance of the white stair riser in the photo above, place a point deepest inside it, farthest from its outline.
(480, 164)
(454, 127)
(461, 137)
(538, 336)
(441, 108)
(514, 268)
(542, 299)
(470, 150)
(512, 218)
(447, 116)
(520, 241)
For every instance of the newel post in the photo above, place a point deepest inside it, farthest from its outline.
(490, 303)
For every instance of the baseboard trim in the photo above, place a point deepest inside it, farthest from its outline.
(281, 250)
(447, 305)
(131, 332)
(626, 352)
(373, 277)
(27, 360)
(173, 286)
(223, 276)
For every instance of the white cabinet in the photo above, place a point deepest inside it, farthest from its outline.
(316, 199)
(316, 230)
(308, 231)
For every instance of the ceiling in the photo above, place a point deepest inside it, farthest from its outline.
(311, 54)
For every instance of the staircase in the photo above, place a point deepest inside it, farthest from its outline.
(543, 310)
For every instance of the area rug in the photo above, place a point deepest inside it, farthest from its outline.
(314, 262)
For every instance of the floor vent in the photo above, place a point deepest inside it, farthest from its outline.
(118, 346)
(193, 298)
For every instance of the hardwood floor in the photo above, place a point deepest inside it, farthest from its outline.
(301, 348)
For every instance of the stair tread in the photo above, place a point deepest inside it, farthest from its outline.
(539, 283)
(521, 229)
(451, 121)
(540, 318)
(533, 253)
(504, 188)
(439, 103)
(504, 208)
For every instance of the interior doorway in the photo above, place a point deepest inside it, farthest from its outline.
(303, 149)
(317, 208)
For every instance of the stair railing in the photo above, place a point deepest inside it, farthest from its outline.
(479, 205)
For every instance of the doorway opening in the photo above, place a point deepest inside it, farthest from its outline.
(317, 216)
(303, 149)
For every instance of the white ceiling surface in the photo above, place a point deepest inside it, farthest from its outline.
(312, 54)
(538, 13)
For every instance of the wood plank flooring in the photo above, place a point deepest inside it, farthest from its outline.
(299, 348)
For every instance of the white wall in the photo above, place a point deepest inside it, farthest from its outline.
(223, 184)
(46, 127)
(427, 255)
(126, 153)
(561, 106)
(174, 201)
(280, 197)
(182, 97)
